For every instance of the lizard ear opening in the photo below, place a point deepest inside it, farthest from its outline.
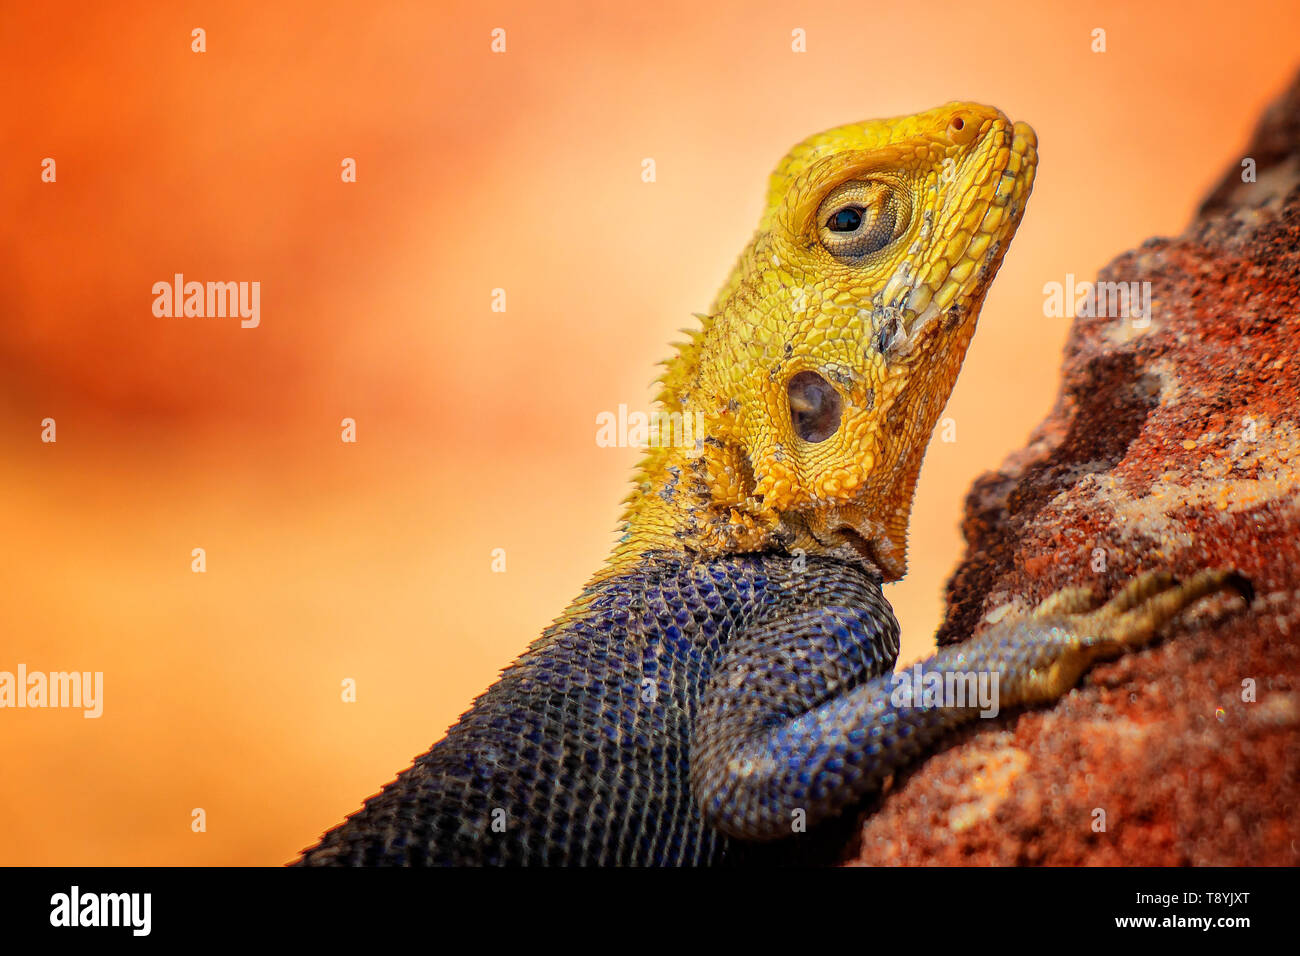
(815, 407)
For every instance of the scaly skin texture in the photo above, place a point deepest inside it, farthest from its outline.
(721, 691)
(888, 329)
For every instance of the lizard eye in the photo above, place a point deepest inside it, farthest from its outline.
(846, 220)
(815, 407)
(857, 219)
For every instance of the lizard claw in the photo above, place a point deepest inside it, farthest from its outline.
(1136, 614)
(1067, 602)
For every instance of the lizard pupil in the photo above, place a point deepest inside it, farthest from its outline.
(815, 407)
(846, 220)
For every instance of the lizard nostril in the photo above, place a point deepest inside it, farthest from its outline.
(961, 130)
(815, 407)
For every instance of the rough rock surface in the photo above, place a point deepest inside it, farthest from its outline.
(1175, 445)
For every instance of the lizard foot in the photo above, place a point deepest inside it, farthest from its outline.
(1084, 633)
(1133, 617)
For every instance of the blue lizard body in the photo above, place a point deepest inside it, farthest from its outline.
(581, 753)
(705, 711)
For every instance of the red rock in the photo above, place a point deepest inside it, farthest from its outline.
(1172, 447)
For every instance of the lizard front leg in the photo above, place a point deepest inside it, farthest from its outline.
(790, 724)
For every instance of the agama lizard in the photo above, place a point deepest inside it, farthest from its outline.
(722, 689)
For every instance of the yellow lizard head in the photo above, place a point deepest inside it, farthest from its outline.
(827, 357)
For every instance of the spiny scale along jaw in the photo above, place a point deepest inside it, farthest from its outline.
(830, 352)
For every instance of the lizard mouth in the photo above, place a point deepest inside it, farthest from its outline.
(1008, 157)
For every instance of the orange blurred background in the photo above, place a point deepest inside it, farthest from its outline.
(372, 561)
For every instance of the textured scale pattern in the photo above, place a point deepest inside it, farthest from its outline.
(585, 742)
(690, 711)
(887, 329)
